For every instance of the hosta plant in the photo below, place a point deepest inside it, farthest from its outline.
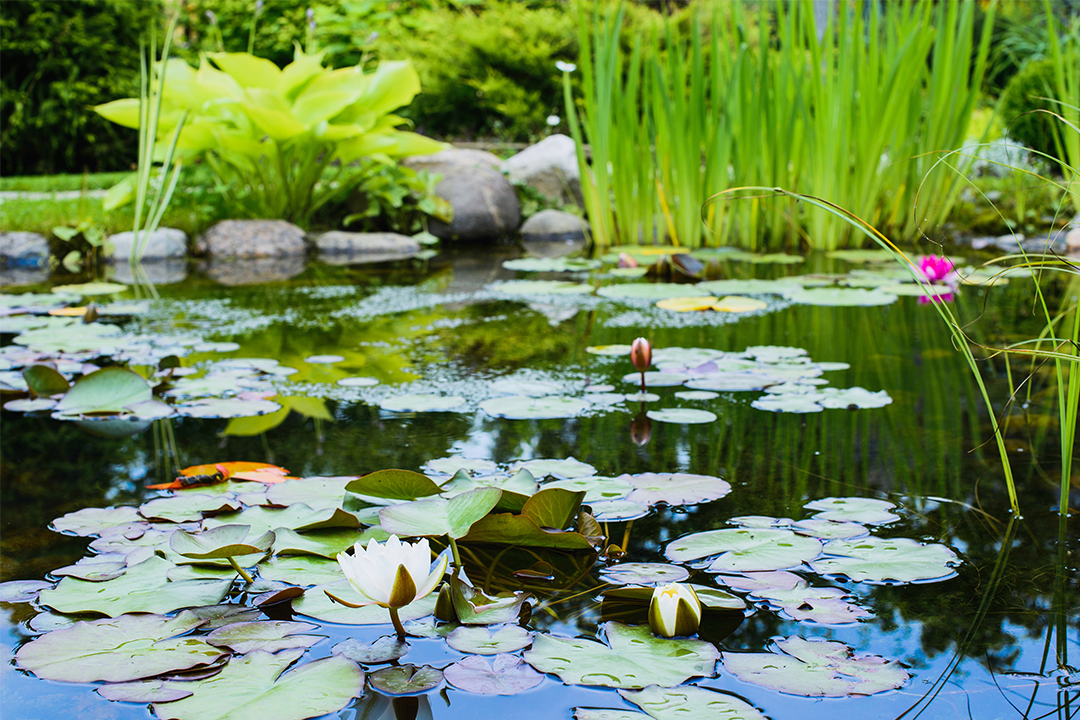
(284, 140)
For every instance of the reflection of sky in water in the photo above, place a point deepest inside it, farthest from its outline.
(915, 447)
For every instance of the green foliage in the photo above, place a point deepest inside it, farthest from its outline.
(486, 73)
(390, 197)
(1029, 91)
(58, 58)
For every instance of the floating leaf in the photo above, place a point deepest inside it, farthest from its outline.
(887, 560)
(27, 405)
(316, 604)
(253, 686)
(324, 543)
(868, 511)
(540, 287)
(633, 658)
(688, 304)
(185, 507)
(657, 379)
(691, 702)
(732, 382)
(529, 388)
(324, 359)
(682, 416)
(504, 675)
(422, 403)
(643, 574)
(226, 408)
(385, 649)
(745, 287)
(508, 529)
(793, 596)
(143, 588)
(830, 530)
(852, 398)
(675, 488)
(582, 713)
(595, 487)
(224, 541)
(269, 635)
(142, 692)
(44, 380)
(295, 517)
(451, 465)
(394, 485)
(613, 510)
(92, 521)
(696, 395)
(609, 350)
(109, 390)
(90, 288)
(14, 591)
(406, 680)
(567, 468)
(842, 297)
(439, 516)
(515, 407)
(481, 641)
(816, 669)
(117, 650)
(745, 549)
(788, 402)
(301, 570)
(559, 264)
(475, 607)
(357, 382)
(648, 291)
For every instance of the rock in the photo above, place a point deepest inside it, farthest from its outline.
(23, 249)
(254, 271)
(485, 205)
(349, 248)
(554, 225)
(23, 275)
(163, 271)
(1072, 242)
(440, 162)
(163, 243)
(550, 167)
(253, 239)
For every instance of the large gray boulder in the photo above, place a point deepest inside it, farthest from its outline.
(252, 239)
(23, 249)
(485, 204)
(163, 243)
(550, 167)
(349, 248)
(454, 157)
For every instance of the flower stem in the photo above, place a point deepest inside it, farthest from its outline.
(394, 618)
(642, 382)
(243, 573)
(626, 535)
(453, 549)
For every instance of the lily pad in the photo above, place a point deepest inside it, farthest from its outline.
(143, 692)
(305, 571)
(385, 649)
(515, 407)
(566, 468)
(788, 402)
(643, 574)
(186, 506)
(614, 510)
(745, 287)
(479, 640)
(647, 291)
(324, 359)
(816, 668)
(609, 350)
(297, 517)
(540, 287)
(691, 702)
(697, 395)
(316, 604)
(357, 382)
(44, 380)
(224, 541)
(732, 382)
(27, 405)
(269, 635)
(887, 560)
(745, 549)
(596, 488)
(143, 588)
(842, 297)
(682, 416)
(253, 686)
(633, 658)
(422, 402)
(657, 379)
(439, 516)
(675, 488)
(852, 398)
(559, 264)
(14, 591)
(324, 543)
(109, 390)
(475, 607)
(406, 680)
(117, 650)
(316, 492)
(394, 485)
(92, 521)
(90, 288)
(226, 408)
(504, 675)
(829, 529)
(868, 511)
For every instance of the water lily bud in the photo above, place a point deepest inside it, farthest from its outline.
(674, 610)
(444, 605)
(641, 354)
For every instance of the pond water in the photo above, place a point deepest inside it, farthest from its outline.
(997, 639)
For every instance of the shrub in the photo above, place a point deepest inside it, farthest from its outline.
(57, 59)
(1027, 92)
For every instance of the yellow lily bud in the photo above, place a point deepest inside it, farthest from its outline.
(674, 610)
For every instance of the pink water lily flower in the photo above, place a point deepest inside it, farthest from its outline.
(937, 269)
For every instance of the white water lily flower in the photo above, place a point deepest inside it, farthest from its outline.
(565, 66)
(392, 574)
(674, 610)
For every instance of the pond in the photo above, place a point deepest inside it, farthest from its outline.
(453, 363)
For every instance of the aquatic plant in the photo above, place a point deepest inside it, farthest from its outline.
(674, 610)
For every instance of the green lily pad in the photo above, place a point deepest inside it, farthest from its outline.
(657, 379)
(745, 549)
(224, 541)
(797, 600)
(596, 488)
(297, 517)
(643, 574)
(14, 591)
(681, 416)
(868, 511)
(45, 380)
(614, 510)
(144, 588)
(480, 640)
(648, 291)
(690, 701)
(566, 468)
(788, 402)
(117, 650)
(385, 649)
(633, 658)
(697, 395)
(227, 408)
(357, 382)
(763, 259)
(504, 675)
(186, 506)
(394, 485)
(406, 680)
(253, 686)
(675, 488)
(540, 287)
(317, 493)
(559, 264)
(855, 397)
(35, 405)
(910, 289)
(522, 482)
(816, 668)
(324, 543)
(142, 692)
(73, 338)
(609, 350)
(109, 390)
(842, 297)
(93, 569)
(830, 529)
(422, 403)
(89, 289)
(316, 604)
(861, 256)
(269, 635)
(451, 465)
(527, 408)
(302, 570)
(744, 287)
(887, 560)
(475, 607)
(508, 529)
(92, 521)
(732, 382)
(439, 516)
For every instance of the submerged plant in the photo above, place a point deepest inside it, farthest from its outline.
(391, 575)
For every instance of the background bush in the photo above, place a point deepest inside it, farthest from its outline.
(59, 57)
(1025, 93)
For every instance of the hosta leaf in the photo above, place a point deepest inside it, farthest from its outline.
(633, 658)
(117, 650)
(253, 686)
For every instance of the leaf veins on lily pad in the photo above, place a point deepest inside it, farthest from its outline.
(869, 511)
(502, 675)
(816, 669)
(745, 549)
(887, 560)
(675, 488)
(689, 701)
(479, 640)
